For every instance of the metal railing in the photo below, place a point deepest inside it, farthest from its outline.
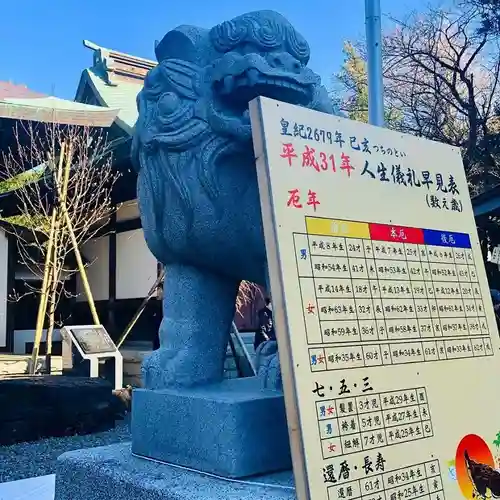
(243, 361)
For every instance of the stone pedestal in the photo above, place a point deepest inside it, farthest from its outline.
(111, 473)
(234, 429)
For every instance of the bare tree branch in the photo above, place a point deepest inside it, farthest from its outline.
(442, 75)
(30, 168)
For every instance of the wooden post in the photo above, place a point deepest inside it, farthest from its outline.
(42, 306)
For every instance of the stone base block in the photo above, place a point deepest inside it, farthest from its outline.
(111, 473)
(233, 429)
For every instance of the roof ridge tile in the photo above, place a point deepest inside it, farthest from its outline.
(117, 66)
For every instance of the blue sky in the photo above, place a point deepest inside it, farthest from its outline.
(41, 40)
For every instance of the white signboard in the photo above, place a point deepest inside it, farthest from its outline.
(386, 332)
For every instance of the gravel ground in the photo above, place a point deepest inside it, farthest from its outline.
(38, 458)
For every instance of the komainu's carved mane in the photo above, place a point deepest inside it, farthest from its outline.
(189, 114)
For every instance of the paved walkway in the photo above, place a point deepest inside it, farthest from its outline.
(39, 488)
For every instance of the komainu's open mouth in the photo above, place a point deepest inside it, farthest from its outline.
(237, 91)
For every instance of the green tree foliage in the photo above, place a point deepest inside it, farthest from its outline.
(497, 440)
(354, 80)
(352, 87)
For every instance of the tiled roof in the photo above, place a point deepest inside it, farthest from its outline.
(115, 79)
(121, 96)
(9, 89)
(20, 103)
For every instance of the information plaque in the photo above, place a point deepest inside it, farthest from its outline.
(93, 343)
(93, 339)
(386, 332)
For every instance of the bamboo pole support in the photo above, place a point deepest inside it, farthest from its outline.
(81, 267)
(139, 311)
(42, 306)
(78, 255)
(52, 310)
(56, 265)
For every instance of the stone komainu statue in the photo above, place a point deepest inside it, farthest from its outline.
(197, 183)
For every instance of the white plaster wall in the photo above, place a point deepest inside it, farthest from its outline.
(136, 267)
(127, 211)
(4, 262)
(97, 252)
(22, 337)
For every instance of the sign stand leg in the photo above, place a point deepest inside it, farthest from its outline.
(94, 367)
(118, 372)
